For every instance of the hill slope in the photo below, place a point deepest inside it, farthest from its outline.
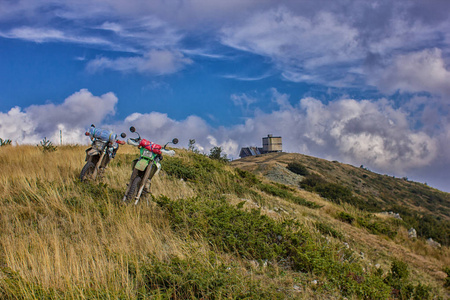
(211, 230)
(420, 206)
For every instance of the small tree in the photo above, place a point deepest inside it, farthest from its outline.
(4, 142)
(216, 153)
(191, 146)
(47, 145)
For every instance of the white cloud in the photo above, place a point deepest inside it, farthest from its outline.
(298, 45)
(243, 101)
(15, 125)
(372, 133)
(416, 72)
(40, 35)
(159, 62)
(73, 116)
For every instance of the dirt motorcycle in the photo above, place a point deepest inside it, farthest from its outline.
(104, 146)
(146, 166)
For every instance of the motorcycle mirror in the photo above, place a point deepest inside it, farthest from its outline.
(123, 135)
(175, 141)
(132, 129)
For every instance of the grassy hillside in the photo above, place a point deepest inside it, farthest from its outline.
(210, 231)
(420, 206)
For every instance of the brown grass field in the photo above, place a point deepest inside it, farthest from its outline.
(63, 239)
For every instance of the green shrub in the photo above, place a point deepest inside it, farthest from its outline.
(47, 146)
(217, 154)
(253, 236)
(328, 230)
(281, 191)
(346, 217)
(399, 270)
(177, 168)
(193, 279)
(249, 177)
(297, 168)
(376, 225)
(311, 181)
(274, 191)
(447, 279)
(401, 287)
(4, 142)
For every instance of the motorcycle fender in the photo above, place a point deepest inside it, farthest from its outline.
(158, 168)
(141, 165)
(90, 152)
(133, 164)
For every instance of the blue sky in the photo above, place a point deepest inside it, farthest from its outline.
(361, 82)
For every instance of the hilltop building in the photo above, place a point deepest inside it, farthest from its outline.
(270, 144)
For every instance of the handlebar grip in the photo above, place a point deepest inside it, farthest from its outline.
(133, 142)
(168, 152)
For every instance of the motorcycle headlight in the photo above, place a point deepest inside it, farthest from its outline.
(147, 153)
(99, 145)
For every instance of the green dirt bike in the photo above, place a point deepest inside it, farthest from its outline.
(145, 167)
(102, 150)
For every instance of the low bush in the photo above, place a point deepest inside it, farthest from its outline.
(249, 177)
(401, 288)
(345, 217)
(193, 279)
(4, 142)
(328, 230)
(281, 191)
(47, 146)
(254, 236)
(297, 168)
(376, 225)
(447, 279)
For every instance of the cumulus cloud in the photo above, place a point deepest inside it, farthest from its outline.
(72, 116)
(299, 46)
(17, 126)
(416, 72)
(159, 62)
(373, 133)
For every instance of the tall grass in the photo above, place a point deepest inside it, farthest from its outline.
(62, 235)
(63, 239)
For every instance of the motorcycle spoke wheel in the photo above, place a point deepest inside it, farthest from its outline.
(87, 171)
(134, 188)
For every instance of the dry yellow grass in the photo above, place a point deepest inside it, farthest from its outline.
(49, 245)
(89, 244)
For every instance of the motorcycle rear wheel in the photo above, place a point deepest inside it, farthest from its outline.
(134, 188)
(87, 171)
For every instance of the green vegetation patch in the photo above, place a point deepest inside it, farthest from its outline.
(253, 236)
(327, 229)
(297, 168)
(191, 278)
(402, 288)
(283, 191)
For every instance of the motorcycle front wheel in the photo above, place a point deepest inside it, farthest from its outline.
(134, 188)
(87, 171)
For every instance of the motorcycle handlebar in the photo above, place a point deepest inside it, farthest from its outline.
(168, 152)
(133, 142)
